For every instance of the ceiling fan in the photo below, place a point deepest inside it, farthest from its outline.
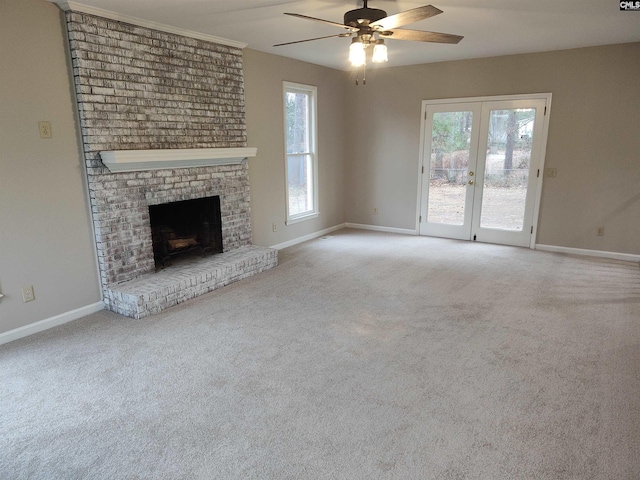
(370, 26)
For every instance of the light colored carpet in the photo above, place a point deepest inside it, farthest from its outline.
(362, 356)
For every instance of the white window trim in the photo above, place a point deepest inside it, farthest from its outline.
(313, 120)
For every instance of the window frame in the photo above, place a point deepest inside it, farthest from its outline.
(312, 133)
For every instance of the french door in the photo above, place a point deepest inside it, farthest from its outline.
(481, 167)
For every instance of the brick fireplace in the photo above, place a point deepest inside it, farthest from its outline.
(141, 90)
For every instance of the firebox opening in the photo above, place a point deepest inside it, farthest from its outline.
(188, 227)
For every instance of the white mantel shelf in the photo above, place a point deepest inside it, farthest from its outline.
(140, 160)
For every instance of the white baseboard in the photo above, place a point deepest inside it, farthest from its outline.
(48, 323)
(627, 257)
(376, 228)
(305, 238)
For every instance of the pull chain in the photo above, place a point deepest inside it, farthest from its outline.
(364, 75)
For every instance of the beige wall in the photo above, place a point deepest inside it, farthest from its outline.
(45, 233)
(593, 139)
(264, 74)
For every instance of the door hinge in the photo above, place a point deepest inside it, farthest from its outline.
(420, 221)
(531, 229)
(538, 175)
(474, 238)
(425, 115)
(423, 169)
(545, 110)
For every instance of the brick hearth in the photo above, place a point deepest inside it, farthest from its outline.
(150, 294)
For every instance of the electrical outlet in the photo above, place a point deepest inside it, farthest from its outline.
(375, 210)
(600, 231)
(27, 294)
(275, 227)
(45, 129)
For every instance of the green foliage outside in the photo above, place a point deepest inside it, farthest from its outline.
(509, 137)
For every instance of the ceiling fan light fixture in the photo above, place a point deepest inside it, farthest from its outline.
(379, 52)
(357, 55)
(369, 25)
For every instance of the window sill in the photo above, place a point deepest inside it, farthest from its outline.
(302, 218)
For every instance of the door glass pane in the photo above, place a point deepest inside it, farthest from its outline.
(507, 169)
(299, 176)
(450, 147)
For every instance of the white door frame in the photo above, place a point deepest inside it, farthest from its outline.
(424, 167)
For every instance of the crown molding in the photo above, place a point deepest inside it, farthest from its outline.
(99, 12)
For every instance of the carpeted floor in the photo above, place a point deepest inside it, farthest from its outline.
(362, 356)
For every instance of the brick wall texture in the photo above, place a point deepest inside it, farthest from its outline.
(142, 89)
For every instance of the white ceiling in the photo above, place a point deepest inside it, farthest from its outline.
(490, 27)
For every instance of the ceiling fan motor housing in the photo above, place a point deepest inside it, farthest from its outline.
(363, 16)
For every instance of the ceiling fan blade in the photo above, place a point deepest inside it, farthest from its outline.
(406, 17)
(420, 36)
(311, 39)
(340, 25)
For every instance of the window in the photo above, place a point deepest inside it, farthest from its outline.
(301, 169)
